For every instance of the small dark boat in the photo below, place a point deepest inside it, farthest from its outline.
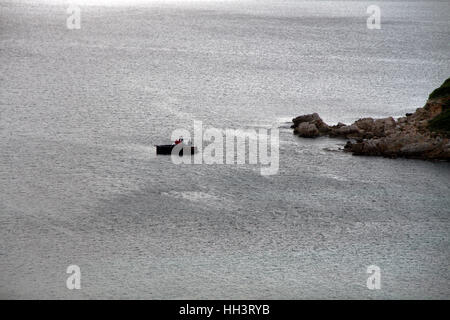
(181, 146)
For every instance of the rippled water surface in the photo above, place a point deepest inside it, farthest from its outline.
(80, 111)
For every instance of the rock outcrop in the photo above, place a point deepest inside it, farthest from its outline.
(412, 136)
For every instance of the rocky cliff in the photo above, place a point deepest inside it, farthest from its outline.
(424, 134)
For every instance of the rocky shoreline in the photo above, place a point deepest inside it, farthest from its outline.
(415, 135)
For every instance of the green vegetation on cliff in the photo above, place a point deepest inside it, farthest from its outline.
(442, 91)
(442, 121)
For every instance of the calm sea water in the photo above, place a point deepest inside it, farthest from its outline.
(80, 111)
